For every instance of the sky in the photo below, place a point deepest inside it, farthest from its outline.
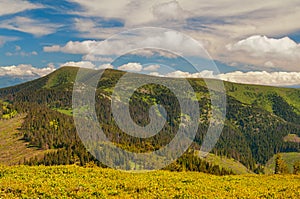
(256, 42)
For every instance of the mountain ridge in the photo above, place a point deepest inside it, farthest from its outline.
(257, 121)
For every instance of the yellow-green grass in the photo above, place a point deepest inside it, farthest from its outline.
(78, 182)
(289, 158)
(68, 112)
(13, 149)
(227, 163)
(250, 94)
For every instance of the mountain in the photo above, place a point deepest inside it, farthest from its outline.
(258, 120)
(8, 80)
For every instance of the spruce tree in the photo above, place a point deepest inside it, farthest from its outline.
(280, 165)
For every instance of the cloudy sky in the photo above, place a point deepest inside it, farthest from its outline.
(250, 41)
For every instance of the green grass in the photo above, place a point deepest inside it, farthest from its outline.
(230, 164)
(257, 94)
(68, 112)
(61, 77)
(79, 182)
(289, 158)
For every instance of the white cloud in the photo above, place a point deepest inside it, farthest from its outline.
(140, 40)
(28, 25)
(75, 47)
(106, 66)
(269, 52)
(152, 67)
(89, 28)
(23, 70)
(156, 74)
(253, 77)
(259, 46)
(15, 6)
(240, 19)
(132, 12)
(215, 23)
(82, 64)
(87, 64)
(91, 57)
(263, 78)
(181, 74)
(131, 67)
(169, 11)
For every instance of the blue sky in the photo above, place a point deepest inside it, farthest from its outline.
(254, 42)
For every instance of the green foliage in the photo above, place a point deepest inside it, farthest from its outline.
(259, 96)
(257, 121)
(296, 167)
(80, 182)
(280, 165)
(289, 158)
(227, 163)
(190, 162)
(7, 111)
(283, 109)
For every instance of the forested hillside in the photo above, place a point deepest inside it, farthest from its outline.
(258, 119)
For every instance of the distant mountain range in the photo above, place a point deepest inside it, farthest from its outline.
(6, 81)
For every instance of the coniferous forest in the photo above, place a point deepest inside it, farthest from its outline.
(258, 120)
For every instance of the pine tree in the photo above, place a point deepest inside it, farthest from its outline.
(280, 165)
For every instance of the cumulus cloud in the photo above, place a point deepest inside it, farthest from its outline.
(268, 52)
(263, 78)
(135, 67)
(252, 77)
(74, 47)
(28, 25)
(82, 64)
(181, 74)
(259, 46)
(24, 70)
(106, 66)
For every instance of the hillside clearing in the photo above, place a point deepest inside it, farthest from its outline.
(13, 149)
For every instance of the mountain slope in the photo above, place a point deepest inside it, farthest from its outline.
(13, 148)
(258, 117)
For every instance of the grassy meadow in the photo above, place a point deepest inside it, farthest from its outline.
(79, 182)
